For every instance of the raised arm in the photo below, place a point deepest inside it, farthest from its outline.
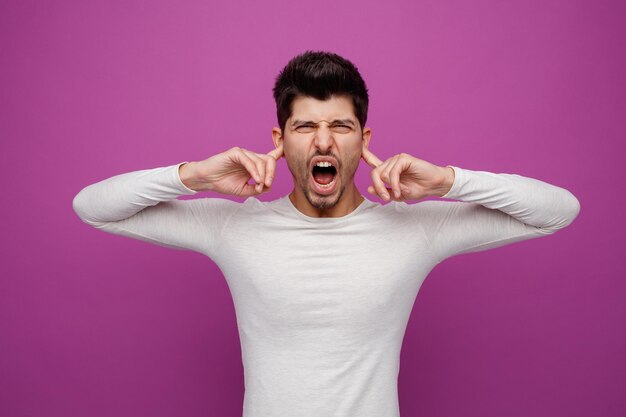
(143, 204)
(494, 209)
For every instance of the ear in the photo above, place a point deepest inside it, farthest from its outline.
(277, 136)
(367, 134)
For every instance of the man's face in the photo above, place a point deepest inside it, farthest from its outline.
(322, 143)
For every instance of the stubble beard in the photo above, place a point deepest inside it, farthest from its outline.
(321, 202)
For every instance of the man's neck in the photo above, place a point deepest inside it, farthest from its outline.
(348, 202)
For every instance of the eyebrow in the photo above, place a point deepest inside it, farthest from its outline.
(336, 121)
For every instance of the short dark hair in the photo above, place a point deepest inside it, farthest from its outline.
(320, 75)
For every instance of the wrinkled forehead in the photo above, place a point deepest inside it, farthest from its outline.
(312, 109)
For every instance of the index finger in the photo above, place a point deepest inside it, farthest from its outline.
(277, 152)
(371, 159)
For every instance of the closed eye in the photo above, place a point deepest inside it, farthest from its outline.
(341, 128)
(335, 128)
(307, 128)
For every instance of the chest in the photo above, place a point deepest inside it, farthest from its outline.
(310, 274)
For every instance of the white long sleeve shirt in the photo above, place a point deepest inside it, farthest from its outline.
(322, 303)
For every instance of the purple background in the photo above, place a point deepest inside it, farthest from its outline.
(93, 324)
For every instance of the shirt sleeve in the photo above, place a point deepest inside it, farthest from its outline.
(494, 210)
(143, 205)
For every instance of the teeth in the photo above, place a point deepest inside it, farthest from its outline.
(324, 164)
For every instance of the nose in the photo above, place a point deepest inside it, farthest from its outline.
(324, 139)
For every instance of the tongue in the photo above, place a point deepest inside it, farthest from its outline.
(323, 177)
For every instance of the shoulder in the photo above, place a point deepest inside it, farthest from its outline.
(421, 210)
(402, 208)
(208, 203)
(253, 207)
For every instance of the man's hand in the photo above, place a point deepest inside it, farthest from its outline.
(229, 172)
(410, 178)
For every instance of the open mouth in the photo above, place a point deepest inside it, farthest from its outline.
(324, 173)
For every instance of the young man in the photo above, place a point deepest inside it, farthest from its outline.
(324, 280)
